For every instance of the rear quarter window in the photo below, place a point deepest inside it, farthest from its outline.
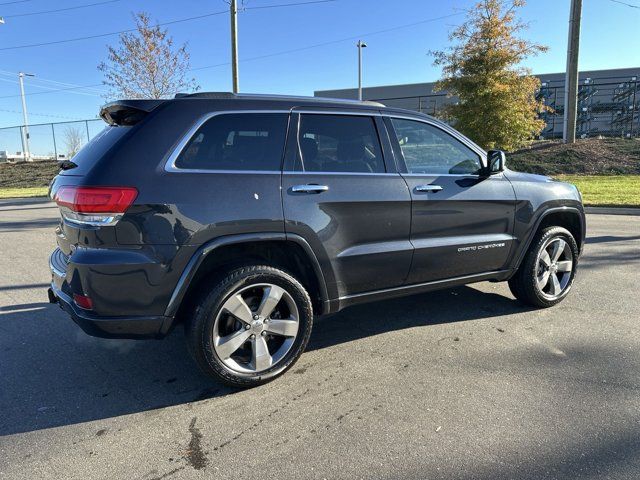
(95, 149)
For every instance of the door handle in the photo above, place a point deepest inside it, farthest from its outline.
(428, 188)
(310, 188)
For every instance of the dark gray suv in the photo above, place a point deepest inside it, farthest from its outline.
(243, 216)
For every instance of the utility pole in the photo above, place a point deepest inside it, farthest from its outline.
(571, 79)
(234, 44)
(25, 128)
(360, 46)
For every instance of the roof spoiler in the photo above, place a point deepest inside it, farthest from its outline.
(127, 112)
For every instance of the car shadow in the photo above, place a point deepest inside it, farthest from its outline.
(52, 374)
(442, 306)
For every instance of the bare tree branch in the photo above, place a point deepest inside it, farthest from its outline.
(146, 64)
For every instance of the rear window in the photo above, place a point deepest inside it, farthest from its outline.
(95, 149)
(236, 141)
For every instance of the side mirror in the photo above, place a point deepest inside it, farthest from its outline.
(495, 161)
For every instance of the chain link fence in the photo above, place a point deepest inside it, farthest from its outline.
(606, 106)
(47, 141)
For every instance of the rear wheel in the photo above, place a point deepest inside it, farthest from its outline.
(251, 326)
(548, 270)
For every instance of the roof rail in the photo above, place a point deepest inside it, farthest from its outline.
(263, 96)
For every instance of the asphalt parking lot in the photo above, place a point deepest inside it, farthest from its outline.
(458, 384)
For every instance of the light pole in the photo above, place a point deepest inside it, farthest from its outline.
(360, 46)
(25, 130)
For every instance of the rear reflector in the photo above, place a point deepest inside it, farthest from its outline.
(95, 199)
(83, 301)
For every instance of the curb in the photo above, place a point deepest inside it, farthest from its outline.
(612, 210)
(23, 200)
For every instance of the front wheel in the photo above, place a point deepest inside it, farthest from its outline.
(251, 326)
(548, 269)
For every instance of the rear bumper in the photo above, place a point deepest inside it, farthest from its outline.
(134, 327)
(111, 327)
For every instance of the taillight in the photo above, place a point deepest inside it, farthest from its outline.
(94, 205)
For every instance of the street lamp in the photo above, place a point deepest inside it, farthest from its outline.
(25, 130)
(360, 46)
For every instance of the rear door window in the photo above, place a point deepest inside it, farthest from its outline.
(238, 142)
(339, 143)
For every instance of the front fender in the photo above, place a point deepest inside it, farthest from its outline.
(529, 224)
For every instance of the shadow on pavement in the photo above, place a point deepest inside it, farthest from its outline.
(20, 226)
(52, 374)
(25, 286)
(612, 238)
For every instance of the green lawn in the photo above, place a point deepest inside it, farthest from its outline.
(606, 190)
(23, 192)
(597, 190)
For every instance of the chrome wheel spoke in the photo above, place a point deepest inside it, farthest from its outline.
(227, 346)
(558, 248)
(543, 279)
(545, 258)
(260, 356)
(555, 284)
(237, 307)
(565, 266)
(285, 328)
(270, 299)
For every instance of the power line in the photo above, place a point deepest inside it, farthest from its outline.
(332, 42)
(28, 14)
(92, 92)
(625, 3)
(46, 80)
(40, 114)
(15, 1)
(55, 90)
(288, 4)
(284, 52)
(100, 35)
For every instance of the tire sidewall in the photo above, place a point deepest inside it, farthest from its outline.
(532, 263)
(206, 314)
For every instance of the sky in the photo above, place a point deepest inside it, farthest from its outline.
(399, 34)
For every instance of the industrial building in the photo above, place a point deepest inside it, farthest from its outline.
(608, 101)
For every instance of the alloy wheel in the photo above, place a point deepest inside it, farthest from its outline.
(554, 268)
(255, 328)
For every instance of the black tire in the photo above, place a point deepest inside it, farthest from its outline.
(208, 306)
(524, 285)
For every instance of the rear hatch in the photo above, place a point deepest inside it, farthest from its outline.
(88, 209)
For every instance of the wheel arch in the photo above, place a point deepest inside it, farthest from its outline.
(289, 252)
(570, 218)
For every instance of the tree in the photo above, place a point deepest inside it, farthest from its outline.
(73, 140)
(497, 104)
(146, 64)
